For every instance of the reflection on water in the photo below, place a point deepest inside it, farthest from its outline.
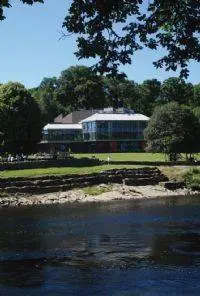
(123, 248)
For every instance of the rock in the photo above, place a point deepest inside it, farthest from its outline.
(173, 185)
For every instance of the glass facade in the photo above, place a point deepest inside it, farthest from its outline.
(89, 131)
(98, 136)
(62, 135)
(113, 130)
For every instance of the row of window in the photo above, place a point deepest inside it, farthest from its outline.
(92, 136)
(62, 135)
(99, 131)
(113, 136)
(114, 125)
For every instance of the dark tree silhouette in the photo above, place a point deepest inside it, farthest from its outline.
(113, 30)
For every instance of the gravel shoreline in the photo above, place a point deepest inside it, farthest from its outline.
(114, 192)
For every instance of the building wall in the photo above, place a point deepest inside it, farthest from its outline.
(115, 146)
(92, 147)
(113, 130)
(98, 136)
(62, 135)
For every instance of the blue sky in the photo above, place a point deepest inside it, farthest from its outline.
(31, 50)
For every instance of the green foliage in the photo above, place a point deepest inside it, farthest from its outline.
(96, 190)
(7, 4)
(156, 23)
(196, 97)
(176, 90)
(45, 95)
(196, 112)
(173, 129)
(79, 87)
(149, 93)
(20, 122)
(172, 25)
(192, 179)
(120, 92)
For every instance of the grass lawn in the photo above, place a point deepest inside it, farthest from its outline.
(59, 171)
(171, 172)
(96, 190)
(174, 173)
(126, 156)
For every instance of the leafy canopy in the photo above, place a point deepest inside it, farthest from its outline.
(20, 123)
(80, 88)
(76, 88)
(177, 90)
(7, 4)
(196, 98)
(173, 129)
(113, 30)
(45, 95)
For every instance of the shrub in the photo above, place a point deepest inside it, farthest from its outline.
(192, 179)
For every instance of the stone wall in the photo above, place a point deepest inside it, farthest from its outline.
(46, 184)
(36, 164)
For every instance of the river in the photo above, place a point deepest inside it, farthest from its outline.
(121, 248)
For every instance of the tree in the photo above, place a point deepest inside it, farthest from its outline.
(172, 25)
(49, 82)
(120, 92)
(196, 112)
(20, 124)
(173, 129)
(176, 90)
(149, 92)
(80, 88)
(45, 95)
(196, 98)
(6, 4)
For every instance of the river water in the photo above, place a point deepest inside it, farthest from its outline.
(121, 248)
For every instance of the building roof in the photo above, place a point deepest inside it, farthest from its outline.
(54, 126)
(75, 117)
(116, 117)
(59, 118)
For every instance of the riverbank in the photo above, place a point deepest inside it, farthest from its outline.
(109, 193)
(103, 186)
